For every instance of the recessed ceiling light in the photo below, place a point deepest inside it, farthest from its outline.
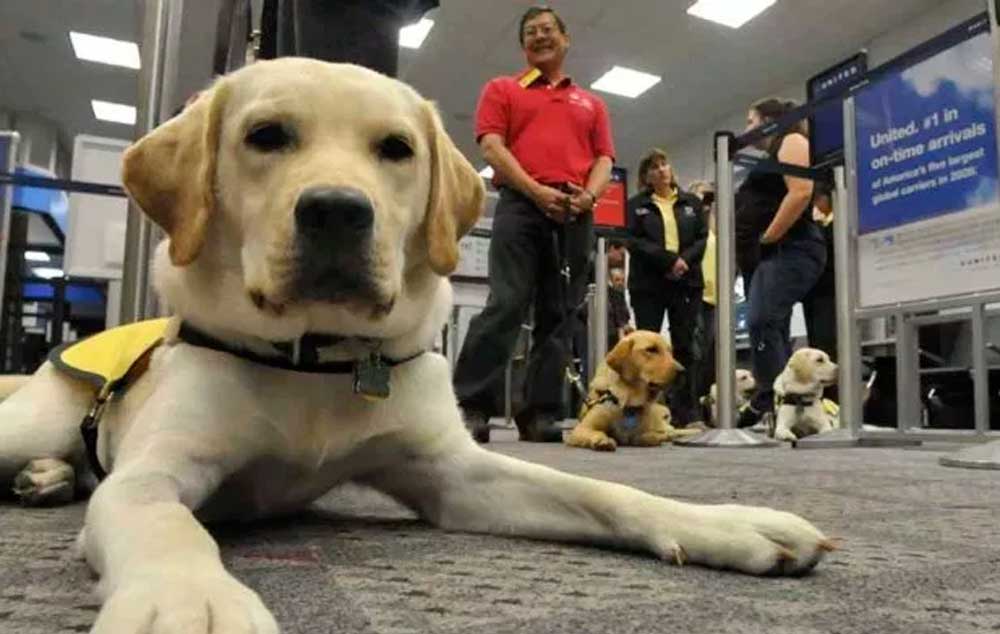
(413, 36)
(486, 172)
(625, 82)
(47, 273)
(113, 112)
(105, 50)
(36, 256)
(731, 13)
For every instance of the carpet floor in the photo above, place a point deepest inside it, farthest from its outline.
(922, 555)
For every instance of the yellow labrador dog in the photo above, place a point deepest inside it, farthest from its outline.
(308, 201)
(798, 395)
(621, 406)
(745, 385)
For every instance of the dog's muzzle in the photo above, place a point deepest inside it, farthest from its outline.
(334, 228)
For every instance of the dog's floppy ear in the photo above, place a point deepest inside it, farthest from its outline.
(456, 197)
(618, 358)
(170, 173)
(801, 368)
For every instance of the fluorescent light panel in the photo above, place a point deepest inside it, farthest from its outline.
(625, 82)
(413, 36)
(487, 172)
(104, 50)
(48, 273)
(731, 13)
(113, 112)
(36, 256)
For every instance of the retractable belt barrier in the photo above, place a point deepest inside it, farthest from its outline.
(62, 184)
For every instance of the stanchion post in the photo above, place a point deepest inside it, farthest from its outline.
(848, 341)
(727, 434)
(599, 345)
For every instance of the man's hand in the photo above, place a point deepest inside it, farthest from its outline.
(680, 269)
(554, 203)
(581, 200)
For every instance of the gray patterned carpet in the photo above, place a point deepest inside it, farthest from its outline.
(922, 555)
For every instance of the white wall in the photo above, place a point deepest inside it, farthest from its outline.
(692, 158)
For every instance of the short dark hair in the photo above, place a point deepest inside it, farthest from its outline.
(773, 108)
(616, 244)
(533, 13)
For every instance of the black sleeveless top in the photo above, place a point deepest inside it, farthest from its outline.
(757, 203)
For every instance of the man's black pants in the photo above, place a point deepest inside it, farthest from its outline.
(524, 268)
(682, 303)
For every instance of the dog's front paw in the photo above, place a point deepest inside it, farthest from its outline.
(184, 604)
(606, 443)
(754, 540)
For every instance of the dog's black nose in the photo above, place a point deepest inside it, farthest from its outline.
(331, 210)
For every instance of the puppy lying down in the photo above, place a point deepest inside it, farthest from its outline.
(745, 385)
(799, 407)
(622, 406)
(313, 213)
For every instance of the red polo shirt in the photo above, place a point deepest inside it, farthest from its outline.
(555, 132)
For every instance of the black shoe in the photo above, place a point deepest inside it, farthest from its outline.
(478, 425)
(540, 428)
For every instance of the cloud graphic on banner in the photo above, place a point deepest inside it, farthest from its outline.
(976, 83)
(984, 194)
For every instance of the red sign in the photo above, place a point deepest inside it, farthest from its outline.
(611, 206)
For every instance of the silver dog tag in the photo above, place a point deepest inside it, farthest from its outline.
(371, 378)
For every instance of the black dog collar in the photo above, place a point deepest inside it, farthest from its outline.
(371, 374)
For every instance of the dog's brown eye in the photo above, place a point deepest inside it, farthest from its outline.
(394, 148)
(652, 350)
(269, 137)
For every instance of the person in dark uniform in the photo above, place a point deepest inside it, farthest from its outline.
(549, 142)
(668, 241)
(779, 249)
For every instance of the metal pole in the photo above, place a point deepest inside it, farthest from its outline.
(980, 372)
(599, 345)
(8, 157)
(138, 228)
(727, 435)
(848, 344)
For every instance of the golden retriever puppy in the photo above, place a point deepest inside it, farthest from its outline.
(312, 214)
(798, 395)
(745, 385)
(621, 406)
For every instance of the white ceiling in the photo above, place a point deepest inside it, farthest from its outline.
(708, 70)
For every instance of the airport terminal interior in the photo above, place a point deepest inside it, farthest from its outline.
(260, 429)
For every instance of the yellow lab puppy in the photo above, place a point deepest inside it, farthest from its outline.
(622, 407)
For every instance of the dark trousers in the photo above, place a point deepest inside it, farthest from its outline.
(682, 305)
(820, 311)
(364, 32)
(704, 371)
(779, 282)
(524, 268)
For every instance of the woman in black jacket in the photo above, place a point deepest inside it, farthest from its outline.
(779, 249)
(668, 234)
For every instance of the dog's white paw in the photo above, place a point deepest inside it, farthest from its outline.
(754, 540)
(184, 604)
(784, 434)
(45, 482)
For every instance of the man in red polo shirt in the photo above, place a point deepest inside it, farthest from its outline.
(549, 142)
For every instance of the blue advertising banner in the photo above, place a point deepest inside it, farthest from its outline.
(928, 198)
(927, 139)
